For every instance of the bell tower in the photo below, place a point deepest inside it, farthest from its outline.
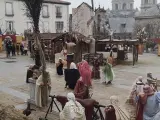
(146, 4)
(122, 5)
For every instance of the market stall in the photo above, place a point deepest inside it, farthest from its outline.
(122, 47)
(74, 42)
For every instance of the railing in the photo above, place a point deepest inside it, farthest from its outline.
(59, 31)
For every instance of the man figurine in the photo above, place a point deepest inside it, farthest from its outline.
(96, 69)
(148, 107)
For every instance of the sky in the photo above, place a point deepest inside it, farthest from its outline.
(105, 3)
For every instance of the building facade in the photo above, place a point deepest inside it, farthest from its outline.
(100, 21)
(54, 16)
(121, 18)
(146, 4)
(149, 18)
(82, 19)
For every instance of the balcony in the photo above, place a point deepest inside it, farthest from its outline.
(59, 31)
(9, 15)
(58, 15)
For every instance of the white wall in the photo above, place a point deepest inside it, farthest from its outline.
(80, 17)
(20, 20)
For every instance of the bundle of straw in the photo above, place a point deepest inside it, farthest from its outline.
(115, 103)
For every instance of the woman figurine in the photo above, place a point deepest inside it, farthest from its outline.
(71, 76)
(60, 67)
(136, 89)
(108, 73)
(85, 73)
(73, 110)
(95, 70)
(81, 90)
(110, 58)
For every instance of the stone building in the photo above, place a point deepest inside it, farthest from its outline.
(146, 4)
(54, 16)
(149, 17)
(82, 19)
(121, 18)
(100, 20)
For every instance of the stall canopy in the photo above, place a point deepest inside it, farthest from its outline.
(81, 42)
(100, 44)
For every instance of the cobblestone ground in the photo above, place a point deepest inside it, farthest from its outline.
(14, 90)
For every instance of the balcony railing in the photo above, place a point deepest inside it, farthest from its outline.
(59, 31)
(9, 15)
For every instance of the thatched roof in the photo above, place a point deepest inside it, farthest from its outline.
(45, 36)
(74, 37)
(119, 42)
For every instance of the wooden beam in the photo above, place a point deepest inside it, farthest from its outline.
(92, 1)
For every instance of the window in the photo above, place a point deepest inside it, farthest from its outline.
(45, 12)
(124, 6)
(122, 28)
(99, 22)
(123, 25)
(45, 27)
(58, 12)
(154, 1)
(9, 9)
(146, 2)
(99, 18)
(59, 27)
(10, 25)
(131, 6)
(116, 6)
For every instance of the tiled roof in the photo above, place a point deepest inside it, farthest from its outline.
(57, 2)
(85, 4)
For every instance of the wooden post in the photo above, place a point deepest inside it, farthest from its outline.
(140, 49)
(158, 49)
(133, 49)
(1, 43)
(92, 4)
(136, 53)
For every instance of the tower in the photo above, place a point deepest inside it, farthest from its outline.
(122, 5)
(146, 4)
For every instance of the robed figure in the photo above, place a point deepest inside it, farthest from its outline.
(72, 75)
(96, 69)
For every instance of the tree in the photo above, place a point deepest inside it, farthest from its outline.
(33, 9)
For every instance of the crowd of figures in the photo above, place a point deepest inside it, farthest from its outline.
(13, 49)
(144, 96)
(78, 77)
(146, 99)
(106, 74)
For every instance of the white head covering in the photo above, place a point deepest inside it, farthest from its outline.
(73, 66)
(71, 97)
(139, 79)
(31, 66)
(137, 86)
